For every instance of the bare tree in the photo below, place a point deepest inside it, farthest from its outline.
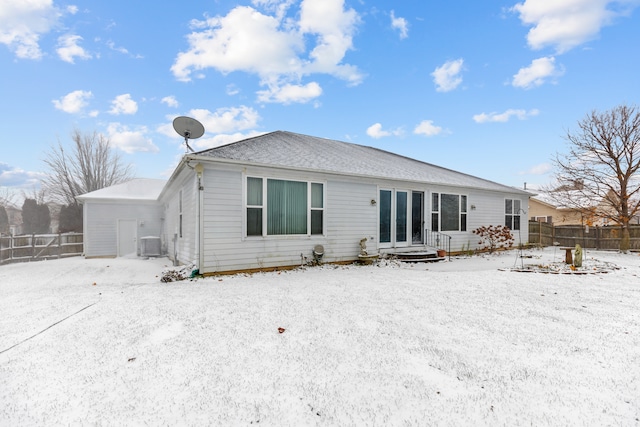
(600, 174)
(89, 166)
(7, 198)
(39, 195)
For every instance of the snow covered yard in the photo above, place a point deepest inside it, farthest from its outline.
(465, 342)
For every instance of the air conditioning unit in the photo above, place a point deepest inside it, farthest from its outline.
(150, 246)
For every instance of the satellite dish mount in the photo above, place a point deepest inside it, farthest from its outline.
(188, 128)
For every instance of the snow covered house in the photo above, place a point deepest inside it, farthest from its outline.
(268, 201)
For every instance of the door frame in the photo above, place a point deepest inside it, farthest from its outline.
(422, 216)
(393, 219)
(126, 225)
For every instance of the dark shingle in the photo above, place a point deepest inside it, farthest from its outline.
(294, 150)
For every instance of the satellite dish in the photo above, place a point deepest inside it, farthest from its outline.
(188, 128)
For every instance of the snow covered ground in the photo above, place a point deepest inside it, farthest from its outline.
(466, 342)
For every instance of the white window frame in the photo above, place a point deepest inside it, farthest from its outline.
(180, 225)
(513, 213)
(264, 205)
(463, 212)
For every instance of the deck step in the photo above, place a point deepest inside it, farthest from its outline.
(418, 256)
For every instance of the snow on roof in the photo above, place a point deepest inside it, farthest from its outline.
(572, 198)
(136, 189)
(298, 151)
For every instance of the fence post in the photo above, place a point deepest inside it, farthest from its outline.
(33, 245)
(540, 234)
(59, 244)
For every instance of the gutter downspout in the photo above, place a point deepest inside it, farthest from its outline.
(199, 217)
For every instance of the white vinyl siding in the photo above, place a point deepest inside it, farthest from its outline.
(101, 227)
(227, 249)
(483, 208)
(180, 219)
(350, 212)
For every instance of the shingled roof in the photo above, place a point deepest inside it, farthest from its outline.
(292, 150)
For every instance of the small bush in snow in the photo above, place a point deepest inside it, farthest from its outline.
(183, 273)
(494, 237)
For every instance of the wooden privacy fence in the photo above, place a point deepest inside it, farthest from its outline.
(546, 234)
(39, 246)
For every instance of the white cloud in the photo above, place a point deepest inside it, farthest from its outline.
(333, 27)
(447, 77)
(68, 48)
(18, 178)
(130, 141)
(537, 73)
(171, 101)
(123, 104)
(567, 24)
(279, 7)
(375, 131)
(72, 9)
(111, 45)
(400, 24)
(274, 47)
(224, 123)
(289, 93)
(232, 89)
(427, 128)
(541, 169)
(226, 120)
(23, 22)
(244, 40)
(73, 102)
(505, 116)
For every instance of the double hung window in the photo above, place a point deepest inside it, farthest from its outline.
(512, 210)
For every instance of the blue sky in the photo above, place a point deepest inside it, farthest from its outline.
(488, 88)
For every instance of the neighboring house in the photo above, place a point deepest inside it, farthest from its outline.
(267, 201)
(541, 211)
(15, 220)
(54, 213)
(117, 219)
(543, 207)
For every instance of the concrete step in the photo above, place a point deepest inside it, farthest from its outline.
(418, 256)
